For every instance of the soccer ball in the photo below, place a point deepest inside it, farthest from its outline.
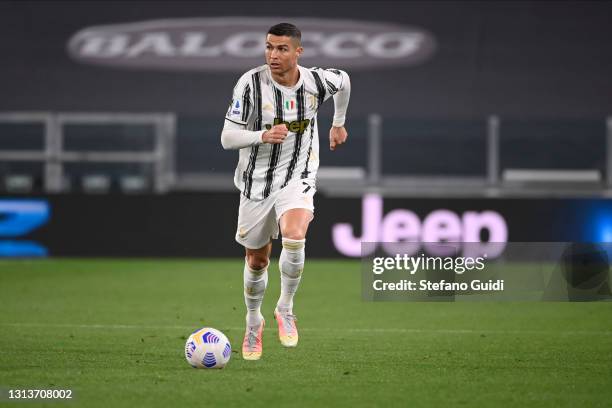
(207, 348)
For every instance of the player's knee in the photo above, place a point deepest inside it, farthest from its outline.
(257, 261)
(296, 233)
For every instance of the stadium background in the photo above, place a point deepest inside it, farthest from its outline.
(495, 119)
(509, 112)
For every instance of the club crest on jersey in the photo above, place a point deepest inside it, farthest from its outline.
(296, 126)
(312, 101)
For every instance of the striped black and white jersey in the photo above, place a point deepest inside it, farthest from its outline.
(258, 103)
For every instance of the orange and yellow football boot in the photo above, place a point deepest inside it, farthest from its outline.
(287, 330)
(252, 345)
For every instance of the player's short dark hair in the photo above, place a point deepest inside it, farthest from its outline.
(286, 30)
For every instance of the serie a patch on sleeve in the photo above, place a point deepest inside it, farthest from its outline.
(235, 109)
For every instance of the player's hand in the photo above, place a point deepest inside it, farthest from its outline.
(337, 136)
(275, 135)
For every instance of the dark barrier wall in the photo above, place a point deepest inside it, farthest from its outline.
(204, 224)
(520, 59)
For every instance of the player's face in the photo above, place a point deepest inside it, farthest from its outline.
(282, 53)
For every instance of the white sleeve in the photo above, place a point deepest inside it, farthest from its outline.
(341, 100)
(235, 136)
(337, 84)
(241, 107)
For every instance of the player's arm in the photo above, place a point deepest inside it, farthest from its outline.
(235, 136)
(337, 133)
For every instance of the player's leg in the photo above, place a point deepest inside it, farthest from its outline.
(257, 225)
(294, 225)
(295, 206)
(255, 282)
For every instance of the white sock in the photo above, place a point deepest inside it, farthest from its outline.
(255, 282)
(291, 264)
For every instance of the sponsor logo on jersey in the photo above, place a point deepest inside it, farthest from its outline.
(237, 43)
(294, 126)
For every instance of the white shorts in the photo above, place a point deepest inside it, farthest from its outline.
(258, 220)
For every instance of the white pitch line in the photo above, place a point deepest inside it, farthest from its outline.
(319, 329)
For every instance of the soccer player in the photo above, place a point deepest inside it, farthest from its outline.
(272, 121)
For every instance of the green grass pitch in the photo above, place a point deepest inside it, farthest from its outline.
(114, 332)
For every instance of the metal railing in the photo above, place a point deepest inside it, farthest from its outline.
(54, 154)
(339, 181)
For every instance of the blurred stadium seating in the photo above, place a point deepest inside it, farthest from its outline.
(491, 107)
